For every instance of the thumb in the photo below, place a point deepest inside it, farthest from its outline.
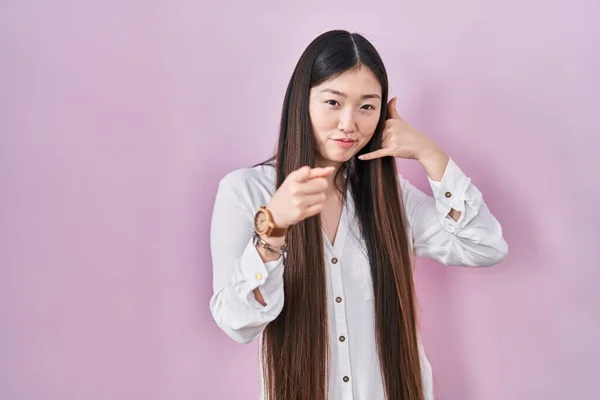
(392, 113)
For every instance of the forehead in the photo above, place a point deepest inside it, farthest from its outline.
(354, 82)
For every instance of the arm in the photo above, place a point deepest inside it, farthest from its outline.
(435, 166)
(247, 285)
(455, 226)
(267, 256)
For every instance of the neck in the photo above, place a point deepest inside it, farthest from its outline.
(335, 175)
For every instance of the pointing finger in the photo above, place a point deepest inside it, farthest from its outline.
(301, 174)
(306, 173)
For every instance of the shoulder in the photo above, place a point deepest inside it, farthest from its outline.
(248, 182)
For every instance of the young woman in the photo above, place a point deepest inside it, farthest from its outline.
(312, 250)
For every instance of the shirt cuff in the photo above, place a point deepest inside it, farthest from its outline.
(454, 191)
(268, 276)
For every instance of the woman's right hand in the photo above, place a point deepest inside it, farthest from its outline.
(301, 195)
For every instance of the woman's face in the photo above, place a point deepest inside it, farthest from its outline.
(344, 113)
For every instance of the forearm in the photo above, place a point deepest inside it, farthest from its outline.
(435, 164)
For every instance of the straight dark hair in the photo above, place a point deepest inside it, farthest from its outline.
(295, 344)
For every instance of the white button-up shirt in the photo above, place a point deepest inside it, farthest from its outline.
(474, 240)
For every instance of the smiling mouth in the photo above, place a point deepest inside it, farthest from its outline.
(344, 143)
(345, 140)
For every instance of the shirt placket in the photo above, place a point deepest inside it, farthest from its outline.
(342, 340)
(335, 263)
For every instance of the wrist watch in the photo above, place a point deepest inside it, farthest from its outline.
(265, 225)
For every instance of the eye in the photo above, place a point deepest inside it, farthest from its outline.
(332, 102)
(369, 105)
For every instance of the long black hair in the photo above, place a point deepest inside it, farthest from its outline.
(295, 344)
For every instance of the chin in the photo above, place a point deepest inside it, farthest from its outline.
(339, 158)
(336, 155)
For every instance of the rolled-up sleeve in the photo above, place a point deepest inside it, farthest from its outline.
(476, 239)
(238, 268)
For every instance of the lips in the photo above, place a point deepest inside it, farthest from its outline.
(345, 140)
(344, 143)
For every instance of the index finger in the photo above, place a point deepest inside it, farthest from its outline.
(375, 154)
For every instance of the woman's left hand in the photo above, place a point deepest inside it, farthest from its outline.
(402, 140)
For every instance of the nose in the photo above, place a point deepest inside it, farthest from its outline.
(347, 122)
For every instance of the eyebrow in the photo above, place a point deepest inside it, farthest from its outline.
(364, 96)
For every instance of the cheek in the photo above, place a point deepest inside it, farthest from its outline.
(373, 123)
(363, 141)
(323, 122)
(368, 129)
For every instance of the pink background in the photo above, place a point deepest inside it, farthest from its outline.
(117, 120)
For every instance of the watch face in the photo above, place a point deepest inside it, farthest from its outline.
(260, 221)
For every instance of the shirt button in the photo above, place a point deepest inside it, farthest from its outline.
(345, 379)
(334, 260)
(338, 299)
(342, 339)
(258, 276)
(448, 194)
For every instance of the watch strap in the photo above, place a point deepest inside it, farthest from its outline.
(275, 231)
